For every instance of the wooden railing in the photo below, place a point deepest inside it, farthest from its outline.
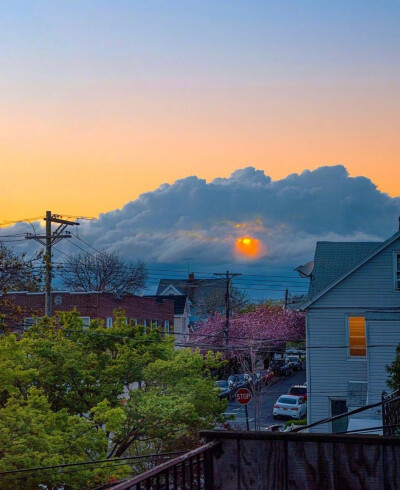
(193, 470)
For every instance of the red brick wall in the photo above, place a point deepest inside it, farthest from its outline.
(96, 305)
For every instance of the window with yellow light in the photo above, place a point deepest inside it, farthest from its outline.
(357, 340)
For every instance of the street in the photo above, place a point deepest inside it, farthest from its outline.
(268, 397)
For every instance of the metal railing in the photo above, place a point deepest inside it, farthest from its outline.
(193, 470)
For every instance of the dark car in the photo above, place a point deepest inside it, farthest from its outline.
(295, 362)
(280, 367)
(238, 381)
(298, 390)
(225, 389)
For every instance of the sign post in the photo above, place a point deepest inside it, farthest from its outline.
(244, 396)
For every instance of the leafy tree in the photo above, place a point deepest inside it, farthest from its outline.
(78, 394)
(393, 370)
(104, 271)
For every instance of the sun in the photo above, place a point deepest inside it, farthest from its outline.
(248, 246)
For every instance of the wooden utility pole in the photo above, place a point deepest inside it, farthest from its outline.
(229, 277)
(48, 240)
(286, 298)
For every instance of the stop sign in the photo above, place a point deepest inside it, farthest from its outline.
(243, 396)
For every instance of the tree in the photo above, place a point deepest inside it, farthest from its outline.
(252, 336)
(393, 370)
(104, 271)
(78, 394)
(17, 273)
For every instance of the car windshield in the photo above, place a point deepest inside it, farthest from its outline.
(287, 400)
(222, 384)
(293, 359)
(298, 391)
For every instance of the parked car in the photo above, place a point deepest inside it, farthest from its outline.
(267, 376)
(226, 390)
(290, 406)
(256, 381)
(237, 381)
(295, 362)
(298, 390)
(280, 367)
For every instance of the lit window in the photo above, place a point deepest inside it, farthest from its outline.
(357, 344)
(397, 271)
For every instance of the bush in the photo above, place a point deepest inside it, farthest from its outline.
(295, 422)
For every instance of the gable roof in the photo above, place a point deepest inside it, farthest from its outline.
(179, 301)
(195, 289)
(334, 261)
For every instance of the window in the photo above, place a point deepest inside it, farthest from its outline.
(357, 344)
(109, 322)
(29, 322)
(397, 271)
(166, 326)
(85, 321)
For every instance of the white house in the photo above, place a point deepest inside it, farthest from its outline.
(353, 328)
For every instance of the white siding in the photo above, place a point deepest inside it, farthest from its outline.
(383, 336)
(328, 367)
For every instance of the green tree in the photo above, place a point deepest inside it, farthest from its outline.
(114, 391)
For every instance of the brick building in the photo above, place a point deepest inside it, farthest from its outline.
(158, 312)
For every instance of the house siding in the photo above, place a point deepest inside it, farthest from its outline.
(329, 369)
(383, 336)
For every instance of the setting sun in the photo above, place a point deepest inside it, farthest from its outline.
(248, 246)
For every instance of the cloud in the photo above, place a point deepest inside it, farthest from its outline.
(195, 218)
(203, 220)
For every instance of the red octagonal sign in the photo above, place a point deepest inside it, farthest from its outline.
(243, 396)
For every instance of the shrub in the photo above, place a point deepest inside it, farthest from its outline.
(295, 422)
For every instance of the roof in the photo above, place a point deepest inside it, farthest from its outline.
(349, 257)
(196, 289)
(179, 301)
(333, 259)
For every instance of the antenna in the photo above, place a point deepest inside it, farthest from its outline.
(188, 262)
(306, 269)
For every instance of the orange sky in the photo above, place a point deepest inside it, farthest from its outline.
(101, 101)
(94, 152)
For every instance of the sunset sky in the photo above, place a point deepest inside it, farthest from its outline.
(101, 101)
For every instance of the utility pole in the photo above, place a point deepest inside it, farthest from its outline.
(286, 298)
(48, 240)
(229, 277)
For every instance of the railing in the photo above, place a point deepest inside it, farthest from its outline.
(193, 470)
(391, 413)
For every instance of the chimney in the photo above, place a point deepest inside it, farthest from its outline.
(191, 276)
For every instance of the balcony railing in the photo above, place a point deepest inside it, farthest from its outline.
(193, 470)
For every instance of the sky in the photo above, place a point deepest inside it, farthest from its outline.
(102, 101)
(236, 133)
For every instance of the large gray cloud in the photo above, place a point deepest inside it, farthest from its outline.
(199, 219)
(193, 218)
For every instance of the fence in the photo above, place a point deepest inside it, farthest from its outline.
(193, 470)
(298, 461)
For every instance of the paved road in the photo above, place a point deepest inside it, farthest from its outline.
(268, 395)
